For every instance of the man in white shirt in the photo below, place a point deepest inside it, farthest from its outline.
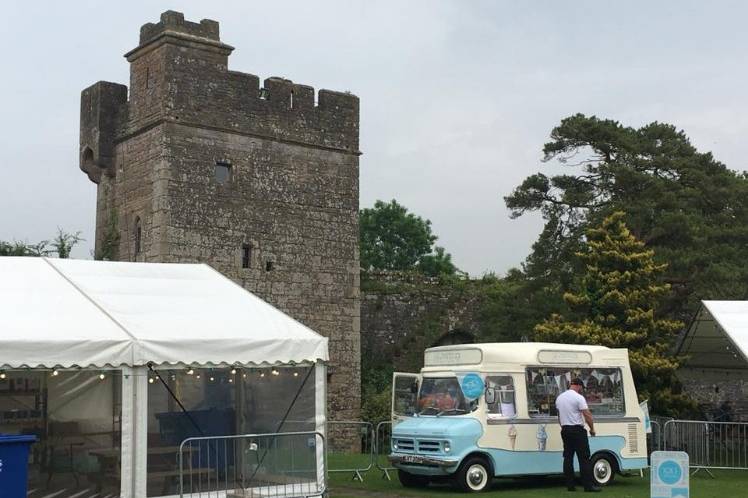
(572, 413)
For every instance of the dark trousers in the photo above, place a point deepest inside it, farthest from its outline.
(575, 441)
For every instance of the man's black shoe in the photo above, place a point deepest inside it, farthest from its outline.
(570, 488)
(593, 490)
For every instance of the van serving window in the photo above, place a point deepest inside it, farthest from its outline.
(502, 395)
(603, 389)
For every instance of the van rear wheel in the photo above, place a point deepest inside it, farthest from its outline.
(411, 480)
(474, 475)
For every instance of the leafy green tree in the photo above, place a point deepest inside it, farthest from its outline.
(61, 245)
(394, 239)
(64, 242)
(17, 248)
(683, 203)
(13, 249)
(376, 406)
(616, 304)
(511, 306)
(437, 263)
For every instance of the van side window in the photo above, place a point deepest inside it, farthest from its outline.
(404, 395)
(603, 389)
(543, 385)
(503, 389)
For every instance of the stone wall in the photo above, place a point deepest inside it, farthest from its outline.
(290, 202)
(403, 314)
(712, 388)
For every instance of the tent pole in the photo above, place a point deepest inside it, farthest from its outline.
(140, 432)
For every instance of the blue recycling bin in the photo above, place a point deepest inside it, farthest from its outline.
(14, 463)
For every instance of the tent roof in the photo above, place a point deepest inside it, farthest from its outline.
(65, 313)
(718, 336)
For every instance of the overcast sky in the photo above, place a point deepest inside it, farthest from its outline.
(457, 97)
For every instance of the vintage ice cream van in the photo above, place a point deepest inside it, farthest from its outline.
(480, 411)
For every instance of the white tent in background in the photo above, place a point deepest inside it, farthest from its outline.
(78, 340)
(715, 370)
(718, 336)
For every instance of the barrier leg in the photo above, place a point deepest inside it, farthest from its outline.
(705, 470)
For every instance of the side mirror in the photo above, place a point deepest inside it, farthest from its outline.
(414, 388)
(490, 395)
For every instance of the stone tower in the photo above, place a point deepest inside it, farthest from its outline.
(202, 164)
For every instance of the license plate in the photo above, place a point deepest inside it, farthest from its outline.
(412, 459)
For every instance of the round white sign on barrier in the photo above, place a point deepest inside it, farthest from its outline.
(668, 475)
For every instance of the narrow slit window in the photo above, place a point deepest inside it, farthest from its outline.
(290, 100)
(138, 235)
(246, 256)
(269, 266)
(223, 172)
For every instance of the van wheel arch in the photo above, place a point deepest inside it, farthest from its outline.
(484, 456)
(474, 474)
(610, 457)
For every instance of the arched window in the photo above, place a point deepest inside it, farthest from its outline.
(88, 158)
(138, 235)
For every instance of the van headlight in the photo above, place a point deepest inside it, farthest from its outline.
(447, 447)
(394, 445)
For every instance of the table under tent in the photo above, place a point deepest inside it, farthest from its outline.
(113, 365)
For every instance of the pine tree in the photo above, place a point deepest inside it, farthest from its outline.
(615, 305)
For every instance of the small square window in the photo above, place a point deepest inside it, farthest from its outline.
(223, 173)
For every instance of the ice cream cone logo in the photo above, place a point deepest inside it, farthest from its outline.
(542, 437)
(513, 435)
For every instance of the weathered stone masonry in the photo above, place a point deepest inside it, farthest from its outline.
(290, 205)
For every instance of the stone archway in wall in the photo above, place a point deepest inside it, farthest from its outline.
(455, 336)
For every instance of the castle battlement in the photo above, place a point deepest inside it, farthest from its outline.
(174, 22)
(179, 74)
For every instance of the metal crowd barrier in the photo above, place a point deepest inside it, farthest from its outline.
(710, 445)
(654, 439)
(383, 440)
(351, 447)
(278, 465)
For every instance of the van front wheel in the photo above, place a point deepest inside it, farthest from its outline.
(474, 475)
(411, 480)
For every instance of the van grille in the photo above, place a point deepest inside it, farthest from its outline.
(425, 446)
(405, 444)
(633, 436)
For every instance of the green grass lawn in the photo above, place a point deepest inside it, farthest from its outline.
(726, 484)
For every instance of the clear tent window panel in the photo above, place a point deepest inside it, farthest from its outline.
(76, 417)
(226, 402)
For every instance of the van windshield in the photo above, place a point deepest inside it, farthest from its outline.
(442, 396)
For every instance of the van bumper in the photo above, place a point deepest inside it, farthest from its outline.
(398, 459)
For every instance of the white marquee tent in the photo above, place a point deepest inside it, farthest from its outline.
(62, 321)
(718, 336)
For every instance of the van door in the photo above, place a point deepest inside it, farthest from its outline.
(404, 395)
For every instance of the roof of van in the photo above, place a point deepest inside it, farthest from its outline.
(527, 352)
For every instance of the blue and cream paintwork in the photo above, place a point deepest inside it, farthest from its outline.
(520, 445)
